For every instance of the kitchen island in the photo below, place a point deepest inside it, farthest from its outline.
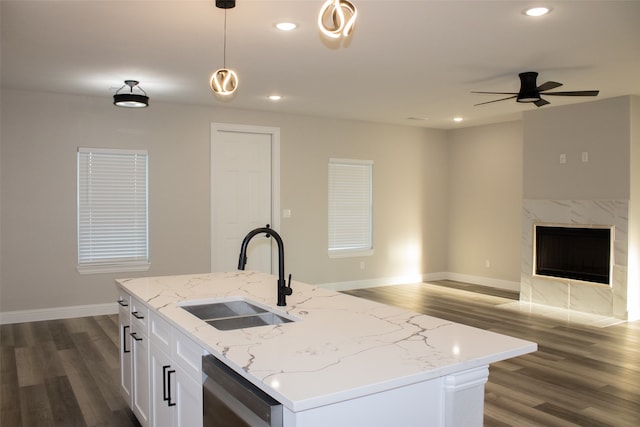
(343, 360)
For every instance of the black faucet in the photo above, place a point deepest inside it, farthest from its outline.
(284, 289)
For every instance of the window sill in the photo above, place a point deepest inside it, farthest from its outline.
(351, 254)
(111, 268)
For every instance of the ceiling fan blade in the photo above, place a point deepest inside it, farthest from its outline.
(541, 102)
(497, 93)
(575, 93)
(548, 86)
(495, 100)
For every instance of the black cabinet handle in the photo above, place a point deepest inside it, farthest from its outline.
(164, 382)
(123, 303)
(124, 339)
(137, 315)
(133, 334)
(169, 387)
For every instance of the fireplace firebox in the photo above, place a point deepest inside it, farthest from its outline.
(573, 252)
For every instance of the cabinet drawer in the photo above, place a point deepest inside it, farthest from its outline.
(161, 333)
(189, 356)
(124, 307)
(124, 301)
(140, 316)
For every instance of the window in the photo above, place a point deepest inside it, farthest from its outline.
(112, 210)
(350, 207)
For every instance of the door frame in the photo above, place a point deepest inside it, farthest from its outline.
(274, 132)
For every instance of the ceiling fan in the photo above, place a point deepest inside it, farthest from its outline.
(529, 92)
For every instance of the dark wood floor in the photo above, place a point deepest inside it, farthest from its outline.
(62, 373)
(65, 372)
(580, 375)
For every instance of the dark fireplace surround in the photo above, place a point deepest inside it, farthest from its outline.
(573, 252)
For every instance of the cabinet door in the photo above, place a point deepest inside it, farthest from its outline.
(188, 401)
(125, 351)
(162, 407)
(140, 372)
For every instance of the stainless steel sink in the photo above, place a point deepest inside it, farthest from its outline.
(218, 310)
(235, 314)
(241, 322)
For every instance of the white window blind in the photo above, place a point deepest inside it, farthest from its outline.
(350, 207)
(112, 210)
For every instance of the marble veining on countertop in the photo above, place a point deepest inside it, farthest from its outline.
(340, 347)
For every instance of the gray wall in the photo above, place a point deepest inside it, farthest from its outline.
(600, 128)
(634, 212)
(485, 194)
(41, 132)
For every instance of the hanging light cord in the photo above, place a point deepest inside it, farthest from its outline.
(224, 49)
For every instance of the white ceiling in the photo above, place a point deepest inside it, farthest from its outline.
(405, 59)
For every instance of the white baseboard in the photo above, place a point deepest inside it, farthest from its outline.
(445, 275)
(484, 281)
(112, 308)
(372, 283)
(57, 313)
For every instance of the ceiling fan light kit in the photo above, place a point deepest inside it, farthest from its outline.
(530, 93)
(131, 99)
(528, 90)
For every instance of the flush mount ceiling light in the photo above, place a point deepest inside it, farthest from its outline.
(337, 18)
(130, 99)
(224, 81)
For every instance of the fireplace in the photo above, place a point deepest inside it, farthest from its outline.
(606, 297)
(573, 252)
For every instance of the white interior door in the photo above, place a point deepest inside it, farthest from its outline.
(243, 194)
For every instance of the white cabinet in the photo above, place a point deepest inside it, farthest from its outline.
(188, 402)
(160, 368)
(124, 316)
(140, 362)
(134, 355)
(176, 376)
(162, 399)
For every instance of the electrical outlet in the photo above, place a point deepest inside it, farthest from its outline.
(487, 264)
(563, 159)
(361, 265)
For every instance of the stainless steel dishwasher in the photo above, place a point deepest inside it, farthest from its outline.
(230, 400)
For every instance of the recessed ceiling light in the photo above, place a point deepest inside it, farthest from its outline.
(275, 97)
(537, 11)
(457, 119)
(286, 26)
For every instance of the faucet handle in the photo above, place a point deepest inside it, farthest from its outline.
(287, 290)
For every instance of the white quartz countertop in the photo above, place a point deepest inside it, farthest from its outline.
(341, 348)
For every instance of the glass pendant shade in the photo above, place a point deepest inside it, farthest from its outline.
(224, 81)
(337, 18)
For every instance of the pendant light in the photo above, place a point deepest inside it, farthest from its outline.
(224, 81)
(337, 18)
(130, 99)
